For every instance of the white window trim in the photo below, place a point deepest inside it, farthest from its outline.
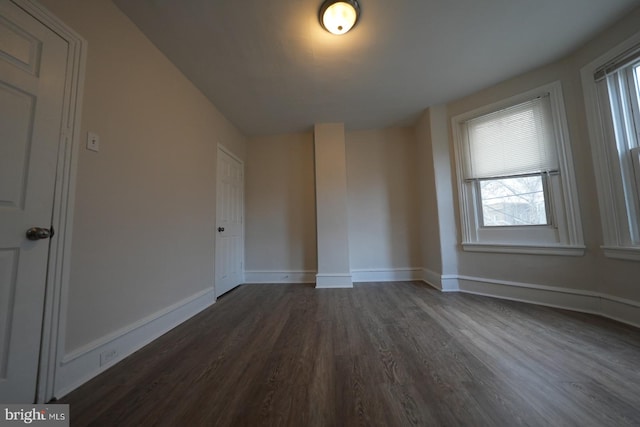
(569, 239)
(525, 249)
(608, 181)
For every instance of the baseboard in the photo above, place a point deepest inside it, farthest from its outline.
(450, 283)
(386, 274)
(444, 283)
(588, 302)
(260, 277)
(333, 281)
(360, 275)
(622, 310)
(83, 364)
(432, 278)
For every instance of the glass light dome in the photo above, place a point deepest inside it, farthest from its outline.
(338, 17)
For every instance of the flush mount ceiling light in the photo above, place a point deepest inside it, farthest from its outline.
(339, 16)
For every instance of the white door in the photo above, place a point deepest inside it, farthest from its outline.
(32, 79)
(230, 207)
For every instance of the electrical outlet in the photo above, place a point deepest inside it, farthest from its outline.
(108, 356)
(93, 141)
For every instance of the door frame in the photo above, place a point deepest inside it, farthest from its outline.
(57, 282)
(215, 243)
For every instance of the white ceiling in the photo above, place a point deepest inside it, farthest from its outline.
(270, 68)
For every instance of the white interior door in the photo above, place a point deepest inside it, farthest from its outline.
(230, 212)
(32, 79)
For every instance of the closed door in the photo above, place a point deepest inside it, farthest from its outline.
(32, 79)
(230, 240)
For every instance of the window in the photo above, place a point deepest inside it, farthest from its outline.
(515, 176)
(516, 201)
(612, 93)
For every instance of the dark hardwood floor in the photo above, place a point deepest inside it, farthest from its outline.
(388, 354)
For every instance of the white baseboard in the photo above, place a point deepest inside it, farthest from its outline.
(622, 310)
(588, 302)
(432, 278)
(450, 283)
(259, 277)
(81, 365)
(444, 283)
(332, 281)
(386, 274)
(362, 275)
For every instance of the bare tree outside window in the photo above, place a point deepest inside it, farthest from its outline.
(518, 201)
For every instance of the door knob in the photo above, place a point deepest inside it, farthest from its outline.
(38, 233)
(220, 229)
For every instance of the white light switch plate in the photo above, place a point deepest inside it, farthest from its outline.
(93, 141)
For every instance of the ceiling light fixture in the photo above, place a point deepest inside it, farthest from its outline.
(339, 16)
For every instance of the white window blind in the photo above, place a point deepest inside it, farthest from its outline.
(515, 141)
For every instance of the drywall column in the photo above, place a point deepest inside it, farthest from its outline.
(439, 237)
(431, 248)
(439, 126)
(332, 226)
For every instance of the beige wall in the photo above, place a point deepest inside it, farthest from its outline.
(383, 199)
(591, 272)
(145, 204)
(280, 204)
(560, 271)
(429, 220)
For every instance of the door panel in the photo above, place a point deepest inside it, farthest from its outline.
(19, 47)
(16, 108)
(230, 239)
(32, 79)
(8, 268)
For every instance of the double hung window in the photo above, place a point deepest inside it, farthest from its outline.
(515, 177)
(612, 93)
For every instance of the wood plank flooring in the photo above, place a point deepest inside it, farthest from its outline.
(381, 354)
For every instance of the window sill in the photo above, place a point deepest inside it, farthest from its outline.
(628, 253)
(503, 248)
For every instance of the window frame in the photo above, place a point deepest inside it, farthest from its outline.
(621, 235)
(563, 235)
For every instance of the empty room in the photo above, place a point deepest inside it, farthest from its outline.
(320, 213)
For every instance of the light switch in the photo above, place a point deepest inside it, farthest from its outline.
(93, 141)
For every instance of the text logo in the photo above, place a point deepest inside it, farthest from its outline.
(39, 415)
